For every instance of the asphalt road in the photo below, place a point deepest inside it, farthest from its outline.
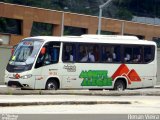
(137, 105)
(108, 106)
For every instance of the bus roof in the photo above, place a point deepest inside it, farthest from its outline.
(115, 39)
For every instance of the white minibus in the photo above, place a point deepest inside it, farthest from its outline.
(83, 62)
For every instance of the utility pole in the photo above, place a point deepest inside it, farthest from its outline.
(106, 4)
(62, 24)
(62, 21)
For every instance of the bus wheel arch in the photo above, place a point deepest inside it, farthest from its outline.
(120, 84)
(52, 84)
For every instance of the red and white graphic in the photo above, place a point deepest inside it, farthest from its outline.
(131, 75)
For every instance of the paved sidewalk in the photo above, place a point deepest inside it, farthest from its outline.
(145, 92)
(16, 97)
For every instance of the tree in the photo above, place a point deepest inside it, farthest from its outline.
(124, 14)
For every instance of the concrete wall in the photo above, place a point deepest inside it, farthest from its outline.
(158, 67)
(5, 54)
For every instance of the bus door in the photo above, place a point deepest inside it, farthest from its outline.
(70, 78)
(46, 65)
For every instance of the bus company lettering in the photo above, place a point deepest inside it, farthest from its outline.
(70, 68)
(95, 78)
(100, 77)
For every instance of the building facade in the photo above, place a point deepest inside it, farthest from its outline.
(28, 15)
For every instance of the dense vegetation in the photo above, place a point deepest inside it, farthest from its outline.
(119, 9)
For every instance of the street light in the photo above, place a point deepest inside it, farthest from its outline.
(100, 15)
(62, 22)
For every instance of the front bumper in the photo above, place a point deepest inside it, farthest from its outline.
(17, 84)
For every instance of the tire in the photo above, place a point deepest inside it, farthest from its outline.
(119, 85)
(51, 85)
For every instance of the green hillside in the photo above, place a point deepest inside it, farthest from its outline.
(118, 9)
(123, 9)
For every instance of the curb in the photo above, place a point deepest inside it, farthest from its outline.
(64, 103)
(70, 92)
(18, 91)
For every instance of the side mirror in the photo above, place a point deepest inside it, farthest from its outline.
(43, 50)
(12, 51)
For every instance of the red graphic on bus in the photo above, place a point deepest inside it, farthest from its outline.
(131, 75)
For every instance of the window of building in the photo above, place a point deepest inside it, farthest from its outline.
(39, 28)
(11, 26)
(108, 33)
(74, 31)
(157, 40)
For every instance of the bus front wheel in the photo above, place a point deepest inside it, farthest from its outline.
(51, 85)
(119, 85)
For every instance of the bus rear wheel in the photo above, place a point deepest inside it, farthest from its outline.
(119, 85)
(51, 85)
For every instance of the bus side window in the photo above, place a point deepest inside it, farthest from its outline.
(86, 53)
(96, 53)
(137, 54)
(69, 52)
(83, 55)
(54, 54)
(117, 54)
(41, 57)
(90, 55)
(111, 53)
(107, 55)
(127, 54)
(50, 55)
(148, 51)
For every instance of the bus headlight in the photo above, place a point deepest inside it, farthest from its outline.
(26, 76)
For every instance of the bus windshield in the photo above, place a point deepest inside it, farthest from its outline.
(24, 55)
